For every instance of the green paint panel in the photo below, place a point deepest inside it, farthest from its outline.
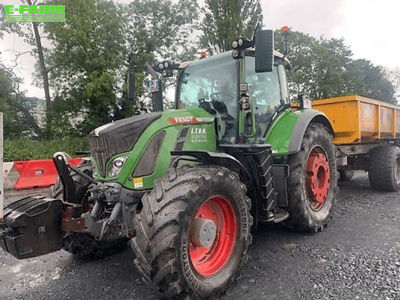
(200, 136)
(281, 131)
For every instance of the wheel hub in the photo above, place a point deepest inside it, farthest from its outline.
(203, 233)
(212, 236)
(317, 178)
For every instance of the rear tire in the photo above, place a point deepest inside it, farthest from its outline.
(82, 244)
(166, 255)
(384, 168)
(312, 183)
(346, 175)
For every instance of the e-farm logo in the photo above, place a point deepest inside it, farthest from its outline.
(34, 13)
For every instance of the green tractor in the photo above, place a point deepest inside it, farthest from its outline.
(185, 187)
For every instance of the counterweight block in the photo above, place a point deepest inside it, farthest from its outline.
(32, 227)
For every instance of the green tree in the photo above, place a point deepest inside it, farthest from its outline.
(226, 20)
(364, 78)
(30, 32)
(17, 110)
(85, 63)
(156, 30)
(393, 74)
(324, 68)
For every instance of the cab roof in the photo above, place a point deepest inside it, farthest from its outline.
(277, 54)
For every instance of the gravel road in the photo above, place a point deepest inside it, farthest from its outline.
(356, 257)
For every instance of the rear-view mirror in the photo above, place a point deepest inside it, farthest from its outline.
(264, 53)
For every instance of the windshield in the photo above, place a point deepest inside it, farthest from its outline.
(212, 84)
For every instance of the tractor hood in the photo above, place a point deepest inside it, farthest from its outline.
(117, 137)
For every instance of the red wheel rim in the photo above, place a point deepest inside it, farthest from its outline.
(209, 260)
(317, 178)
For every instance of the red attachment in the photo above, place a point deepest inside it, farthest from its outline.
(38, 173)
(209, 261)
(317, 178)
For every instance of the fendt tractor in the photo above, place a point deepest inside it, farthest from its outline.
(185, 186)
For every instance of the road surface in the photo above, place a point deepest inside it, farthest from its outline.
(356, 257)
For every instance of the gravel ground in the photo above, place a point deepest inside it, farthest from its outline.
(356, 257)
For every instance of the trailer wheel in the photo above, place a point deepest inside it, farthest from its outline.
(312, 183)
(346, 175)
(384, 168)
(80, 244)
(193, 232)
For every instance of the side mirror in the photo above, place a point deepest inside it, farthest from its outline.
(264, 54)
(131, 85)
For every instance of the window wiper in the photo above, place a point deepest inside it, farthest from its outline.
(280, 108)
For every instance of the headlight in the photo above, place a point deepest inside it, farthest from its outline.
(116, 165)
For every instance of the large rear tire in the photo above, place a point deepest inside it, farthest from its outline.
(82, 244)
(384, 168)
(312, 183)
(193, 232)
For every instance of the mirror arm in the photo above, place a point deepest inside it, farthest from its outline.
(151, 71)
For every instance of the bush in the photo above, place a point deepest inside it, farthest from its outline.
(24, 149)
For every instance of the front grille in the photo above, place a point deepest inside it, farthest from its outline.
(118, 137)
(99, 153)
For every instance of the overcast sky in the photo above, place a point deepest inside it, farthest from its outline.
(369, 27)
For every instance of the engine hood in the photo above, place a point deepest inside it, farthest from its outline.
(117, 137)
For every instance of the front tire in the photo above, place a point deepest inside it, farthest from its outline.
(193, 232)
(312, 183)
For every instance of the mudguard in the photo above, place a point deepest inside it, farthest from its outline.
(308, 116)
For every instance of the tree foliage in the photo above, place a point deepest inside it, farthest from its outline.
(156, 30)
(88, 56)
(393, 74)
(18, 115)
(226, 20)
(324, 68)
(88, 52)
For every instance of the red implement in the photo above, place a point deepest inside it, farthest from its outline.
(37, 173)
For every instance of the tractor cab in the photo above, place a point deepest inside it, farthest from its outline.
(224, 86)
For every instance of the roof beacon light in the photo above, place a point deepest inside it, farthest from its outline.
(203, 54)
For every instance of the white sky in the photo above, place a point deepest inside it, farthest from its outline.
(369, 27)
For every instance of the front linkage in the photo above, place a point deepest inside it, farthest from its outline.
(82, 216)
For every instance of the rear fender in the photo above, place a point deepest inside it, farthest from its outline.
(307, 117)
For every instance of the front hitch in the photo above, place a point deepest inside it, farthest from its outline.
(71, 192)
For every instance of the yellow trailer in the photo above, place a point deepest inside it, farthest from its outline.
(367, 136)
(357, 119)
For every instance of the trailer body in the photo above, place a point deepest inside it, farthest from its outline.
(366, 136)
(358, 120)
